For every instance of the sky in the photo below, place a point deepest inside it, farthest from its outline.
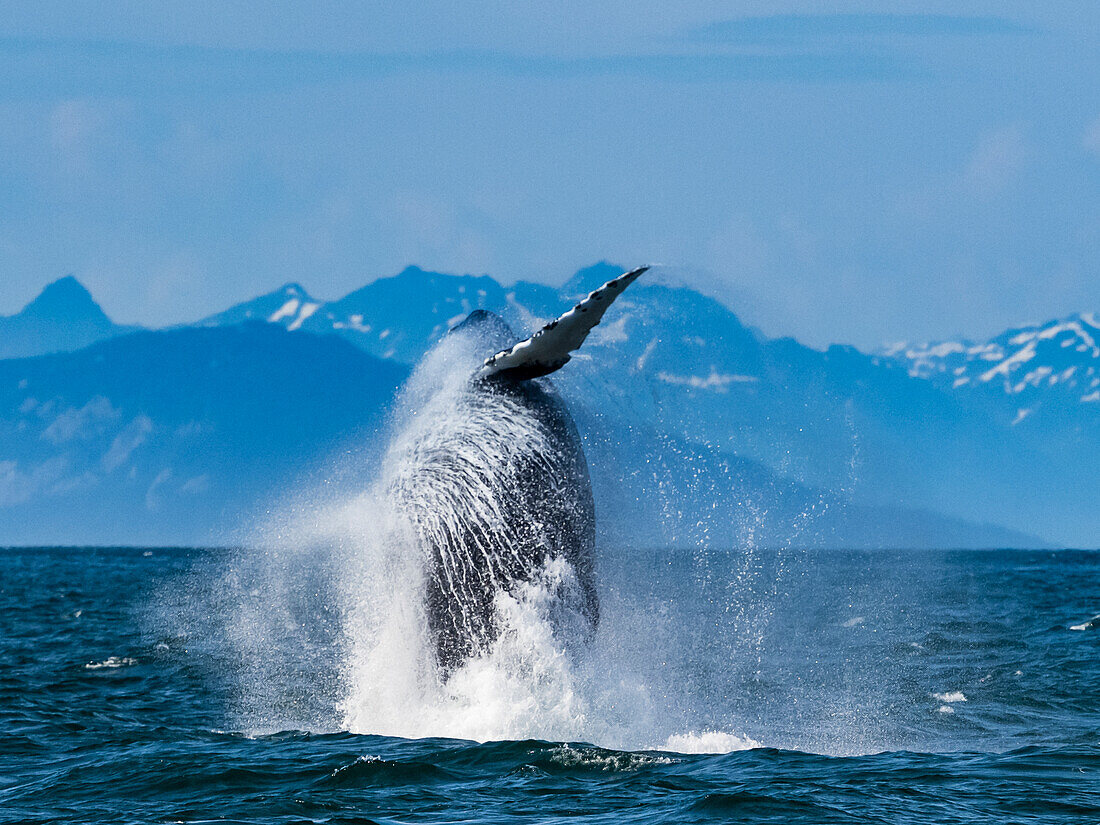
(829, 171)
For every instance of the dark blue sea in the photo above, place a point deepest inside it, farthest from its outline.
(160, 685)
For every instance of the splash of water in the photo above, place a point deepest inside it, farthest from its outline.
(447, 486)
(359, 567)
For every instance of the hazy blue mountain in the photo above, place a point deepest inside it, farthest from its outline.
(662, 491)
(396, 318)
(683, 363)
(843, 420)
(62, 318)
(178, 435)
(833, 420)
(759, 439)
(185, 435)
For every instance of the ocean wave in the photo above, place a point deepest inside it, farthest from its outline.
(949, 696)
(709, 741)
(601, 759)
(1091, 624)
(111, 662)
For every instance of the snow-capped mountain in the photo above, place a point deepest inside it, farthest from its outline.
(885, 429)
(395, 318)
(185, 435)
(681, 404)
(1039, 365)
(289, 306)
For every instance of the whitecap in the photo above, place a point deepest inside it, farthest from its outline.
(949, 696)
(111, 662)
(709, 741)
(359, 760)
(1091, 624)
(569, 756)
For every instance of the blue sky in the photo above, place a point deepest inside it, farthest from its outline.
(829, 171)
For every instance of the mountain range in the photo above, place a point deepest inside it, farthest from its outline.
(699, 429)
(1032, 368)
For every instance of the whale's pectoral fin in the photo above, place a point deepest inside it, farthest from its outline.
(549, 349)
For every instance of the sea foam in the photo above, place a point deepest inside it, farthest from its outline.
(352, 564)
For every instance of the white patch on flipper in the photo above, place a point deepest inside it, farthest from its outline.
(550, 347)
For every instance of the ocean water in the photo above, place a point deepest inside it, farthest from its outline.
(157, 685)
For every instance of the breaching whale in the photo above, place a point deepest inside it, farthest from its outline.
(497, 488)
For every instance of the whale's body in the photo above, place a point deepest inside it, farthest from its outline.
(498, 490)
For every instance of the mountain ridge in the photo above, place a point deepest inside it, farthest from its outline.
(179, 435)
(190, 435)
(63, 317)
(1062, 353)
(866, 426)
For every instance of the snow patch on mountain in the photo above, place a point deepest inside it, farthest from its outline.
(718, 382)
(307, 310)
(285, 311)
(1047, 363)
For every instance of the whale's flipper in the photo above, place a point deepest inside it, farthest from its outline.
(549, 349)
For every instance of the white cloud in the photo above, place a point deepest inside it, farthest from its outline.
(18, 486)
(739, 246)
(174, 279)
(73, 125)
(81, 132)
(81, 423)
(152, 495)
(197, 485)
(131, 437)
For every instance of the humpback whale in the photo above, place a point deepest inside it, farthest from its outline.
(496, 486)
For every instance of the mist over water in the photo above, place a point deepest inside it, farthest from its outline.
(324, 628)
(700, 647)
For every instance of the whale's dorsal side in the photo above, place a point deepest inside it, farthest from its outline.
(497, 487)
(550, 348)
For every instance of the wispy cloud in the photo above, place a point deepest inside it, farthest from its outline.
(781, 47)
(35, 69)
(777, 28)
